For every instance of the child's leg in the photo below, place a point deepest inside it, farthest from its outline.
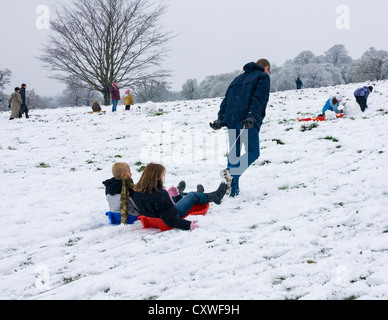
(200, 189)
(362, 102)
(187, 202)
(178, 197)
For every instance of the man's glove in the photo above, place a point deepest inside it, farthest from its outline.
(249, 123)
(9, 106)
(217, 125)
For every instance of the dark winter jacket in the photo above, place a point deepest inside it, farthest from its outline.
(299, 83)
(362, 92)
(159, 205)
(115, 92)
(113, 186)
(23, 95)
(96, 106)
(247, 96)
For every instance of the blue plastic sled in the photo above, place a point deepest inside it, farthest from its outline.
(115, 218)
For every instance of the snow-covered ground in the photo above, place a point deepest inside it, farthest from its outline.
(310, 223)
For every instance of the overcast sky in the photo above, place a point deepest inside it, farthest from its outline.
(213, 36)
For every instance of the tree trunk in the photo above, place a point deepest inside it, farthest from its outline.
(106, 93)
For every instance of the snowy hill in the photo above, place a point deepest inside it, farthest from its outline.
(310, 223)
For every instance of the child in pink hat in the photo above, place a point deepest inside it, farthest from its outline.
(128, 100)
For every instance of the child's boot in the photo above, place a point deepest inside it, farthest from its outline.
(200, 188)
(181, 186)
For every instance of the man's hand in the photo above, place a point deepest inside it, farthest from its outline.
(248, 123)
(217, 125)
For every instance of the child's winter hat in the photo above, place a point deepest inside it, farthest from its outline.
(339, 97)
(127, 92)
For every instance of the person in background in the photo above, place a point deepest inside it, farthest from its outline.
(299, 84)
(115, 94)
(24, 107)
(128, 100)
(361, 95)
(15, 101)
(333, 104)
(96, 106)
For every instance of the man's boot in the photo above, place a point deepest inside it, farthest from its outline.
(217, 195)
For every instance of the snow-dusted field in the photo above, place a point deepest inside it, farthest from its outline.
(310, 223)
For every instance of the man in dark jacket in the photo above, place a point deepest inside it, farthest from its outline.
(299, 84)
(23, 107)
(242, 111)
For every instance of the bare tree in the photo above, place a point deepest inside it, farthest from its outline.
(339, 56)
(99, 41)
(5, 78)
(151, 90)
(305, 57)
(315, 76)
(190, 89)
(34, 101)
(76, 94)
(373, 65)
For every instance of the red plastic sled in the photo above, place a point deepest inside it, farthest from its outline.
(197, 210)
(339, 115)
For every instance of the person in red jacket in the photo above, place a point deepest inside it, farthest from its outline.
(115, 94)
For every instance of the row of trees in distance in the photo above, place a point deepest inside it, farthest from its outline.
(334, 67)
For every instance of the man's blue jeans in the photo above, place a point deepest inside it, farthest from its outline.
(237, 163)
(114, 107)
(184, 205)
